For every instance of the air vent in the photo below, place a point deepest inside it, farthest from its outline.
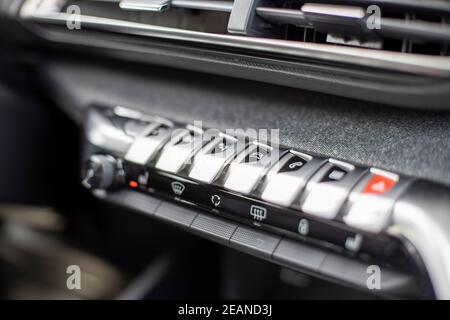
(184, 15)
(395, 34)
(394, 28)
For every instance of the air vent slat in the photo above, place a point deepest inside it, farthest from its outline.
(145, 5)
(287, 16)
(224, 6)
(415, 30)
(162, 5)
(440, 7)
(334, 30)
(353, 24)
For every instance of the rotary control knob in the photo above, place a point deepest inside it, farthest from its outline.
(101, 172)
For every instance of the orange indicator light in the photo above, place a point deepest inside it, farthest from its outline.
(133, 184)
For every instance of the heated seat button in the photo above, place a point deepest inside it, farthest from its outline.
(371, 201)
(247, 170)
(186, 142)
(257, 154)
(149, 141)
(222, 145)
(210, 161)
(286, 180)
(327, 190)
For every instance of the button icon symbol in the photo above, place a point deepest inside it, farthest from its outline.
(178, 188)
(258, 213)
(294, 165)
(154, 133)
(259, 242)
(336, 174)
(256, 155)
(354, 243)
(215, 200)
(379, 184)
(143, 179)
(222, 146)
(303, 227)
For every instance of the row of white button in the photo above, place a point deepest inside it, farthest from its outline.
(324, 199)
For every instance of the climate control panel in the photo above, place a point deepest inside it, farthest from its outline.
(257, 183)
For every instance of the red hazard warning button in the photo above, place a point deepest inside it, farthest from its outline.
(379, 184)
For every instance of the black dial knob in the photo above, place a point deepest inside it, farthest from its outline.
(100, 172)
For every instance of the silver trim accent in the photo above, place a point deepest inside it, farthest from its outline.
(351, 12)
(162, 5)
(277, 15)
(242, 17)
(224, 6)
(428, 238)
(127, 113)
(211, 5)
(409, 63)
(422, 218)
(145, 5)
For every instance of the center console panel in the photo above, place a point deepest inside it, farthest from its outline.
(313, 214)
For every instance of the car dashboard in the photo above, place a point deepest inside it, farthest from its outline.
(247, 149)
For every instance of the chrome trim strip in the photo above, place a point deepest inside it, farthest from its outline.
(351, 12)
(430, 238)
(421, 219)
(224, 6)
(409, 63)
(214, 5)
(145, 5)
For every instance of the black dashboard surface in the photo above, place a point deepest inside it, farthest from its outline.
(410, 142)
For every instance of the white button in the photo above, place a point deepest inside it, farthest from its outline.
(369, 213)
(250, 166)
(284, 184)
(177, 152)
(372, 199)
(243, 178)
(282, 190)
(206, 168)
(209, 163)
(324, 201)
(327, 190)
(146, 146)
